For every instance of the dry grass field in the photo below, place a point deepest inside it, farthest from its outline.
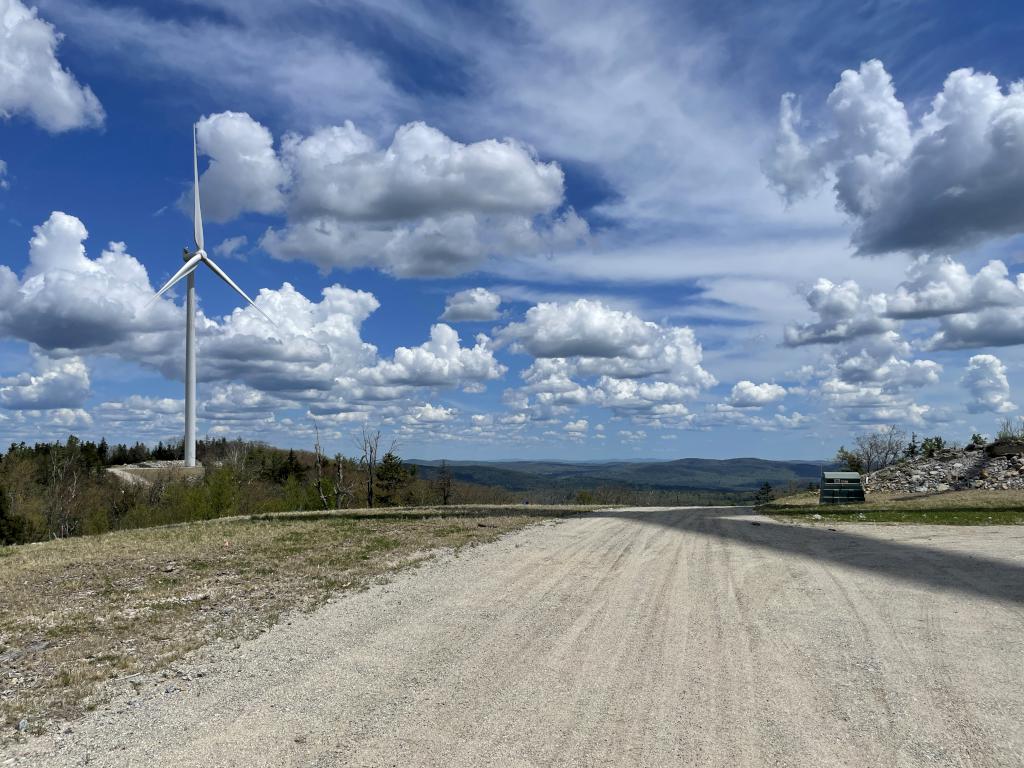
(84, 614)
(970, 507)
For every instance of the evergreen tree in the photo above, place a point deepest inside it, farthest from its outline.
(444, 483)
(764, 494)
(849, 460)
(392, 477)
(932, 445)
(292, 467)
(12, 529)
(912, 448)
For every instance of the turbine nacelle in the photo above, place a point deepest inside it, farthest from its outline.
(192, 262)
(199, 256)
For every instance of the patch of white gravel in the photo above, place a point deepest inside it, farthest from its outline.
(658, 638)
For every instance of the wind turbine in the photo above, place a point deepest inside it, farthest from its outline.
(192, 261)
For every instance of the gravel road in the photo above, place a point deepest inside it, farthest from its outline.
(674, 637)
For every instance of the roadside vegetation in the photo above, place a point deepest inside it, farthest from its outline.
(877, 450)
(968, 507)
(85, 617)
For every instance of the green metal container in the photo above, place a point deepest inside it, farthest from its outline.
(841, 488)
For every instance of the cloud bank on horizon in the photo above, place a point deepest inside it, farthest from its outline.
(606, 248)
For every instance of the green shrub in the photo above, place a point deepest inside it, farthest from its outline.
(1009, 430)
(931, 446)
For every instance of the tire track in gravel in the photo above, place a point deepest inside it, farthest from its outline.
(653, 637)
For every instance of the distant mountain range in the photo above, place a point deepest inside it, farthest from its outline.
(743, 475)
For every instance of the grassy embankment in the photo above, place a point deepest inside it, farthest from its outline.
(82, 616)
(970, 507)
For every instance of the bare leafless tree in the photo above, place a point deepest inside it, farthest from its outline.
(62, 487)
(369, 445)
(880, 449)
(369, 453)
(319, 465)
(236, 456)
(342, 490)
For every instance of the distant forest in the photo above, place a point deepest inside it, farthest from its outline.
(60, 489)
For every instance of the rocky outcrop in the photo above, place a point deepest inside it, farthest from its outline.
(952, 469)
(1005, 448)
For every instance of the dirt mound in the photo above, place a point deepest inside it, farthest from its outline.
(951, 469)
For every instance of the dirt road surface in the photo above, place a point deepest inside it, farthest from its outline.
(650, 638)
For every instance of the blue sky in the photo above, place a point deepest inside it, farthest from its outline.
(567, 230)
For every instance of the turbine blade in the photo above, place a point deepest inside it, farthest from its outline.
(188, 268)
(197, 218)
(223, 276)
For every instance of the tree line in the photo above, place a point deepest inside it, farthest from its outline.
(60, 489)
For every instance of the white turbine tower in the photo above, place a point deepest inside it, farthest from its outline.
(192, 261)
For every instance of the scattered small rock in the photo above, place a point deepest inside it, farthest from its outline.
(22, 726)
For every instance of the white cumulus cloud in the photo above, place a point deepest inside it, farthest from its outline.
(33, 82)
(955, 178)
(985, 380)
(472, 305)
(423, 205)
(339, 172)
(429, 414)
(67, 300)
(938, 286)
(747, 394)
(244, 173)
(589, 353)
(59, 383)
(440, 361)
(996, 327)
(313, 356)
(843, 313)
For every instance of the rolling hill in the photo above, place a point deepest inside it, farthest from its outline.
(743, 475)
